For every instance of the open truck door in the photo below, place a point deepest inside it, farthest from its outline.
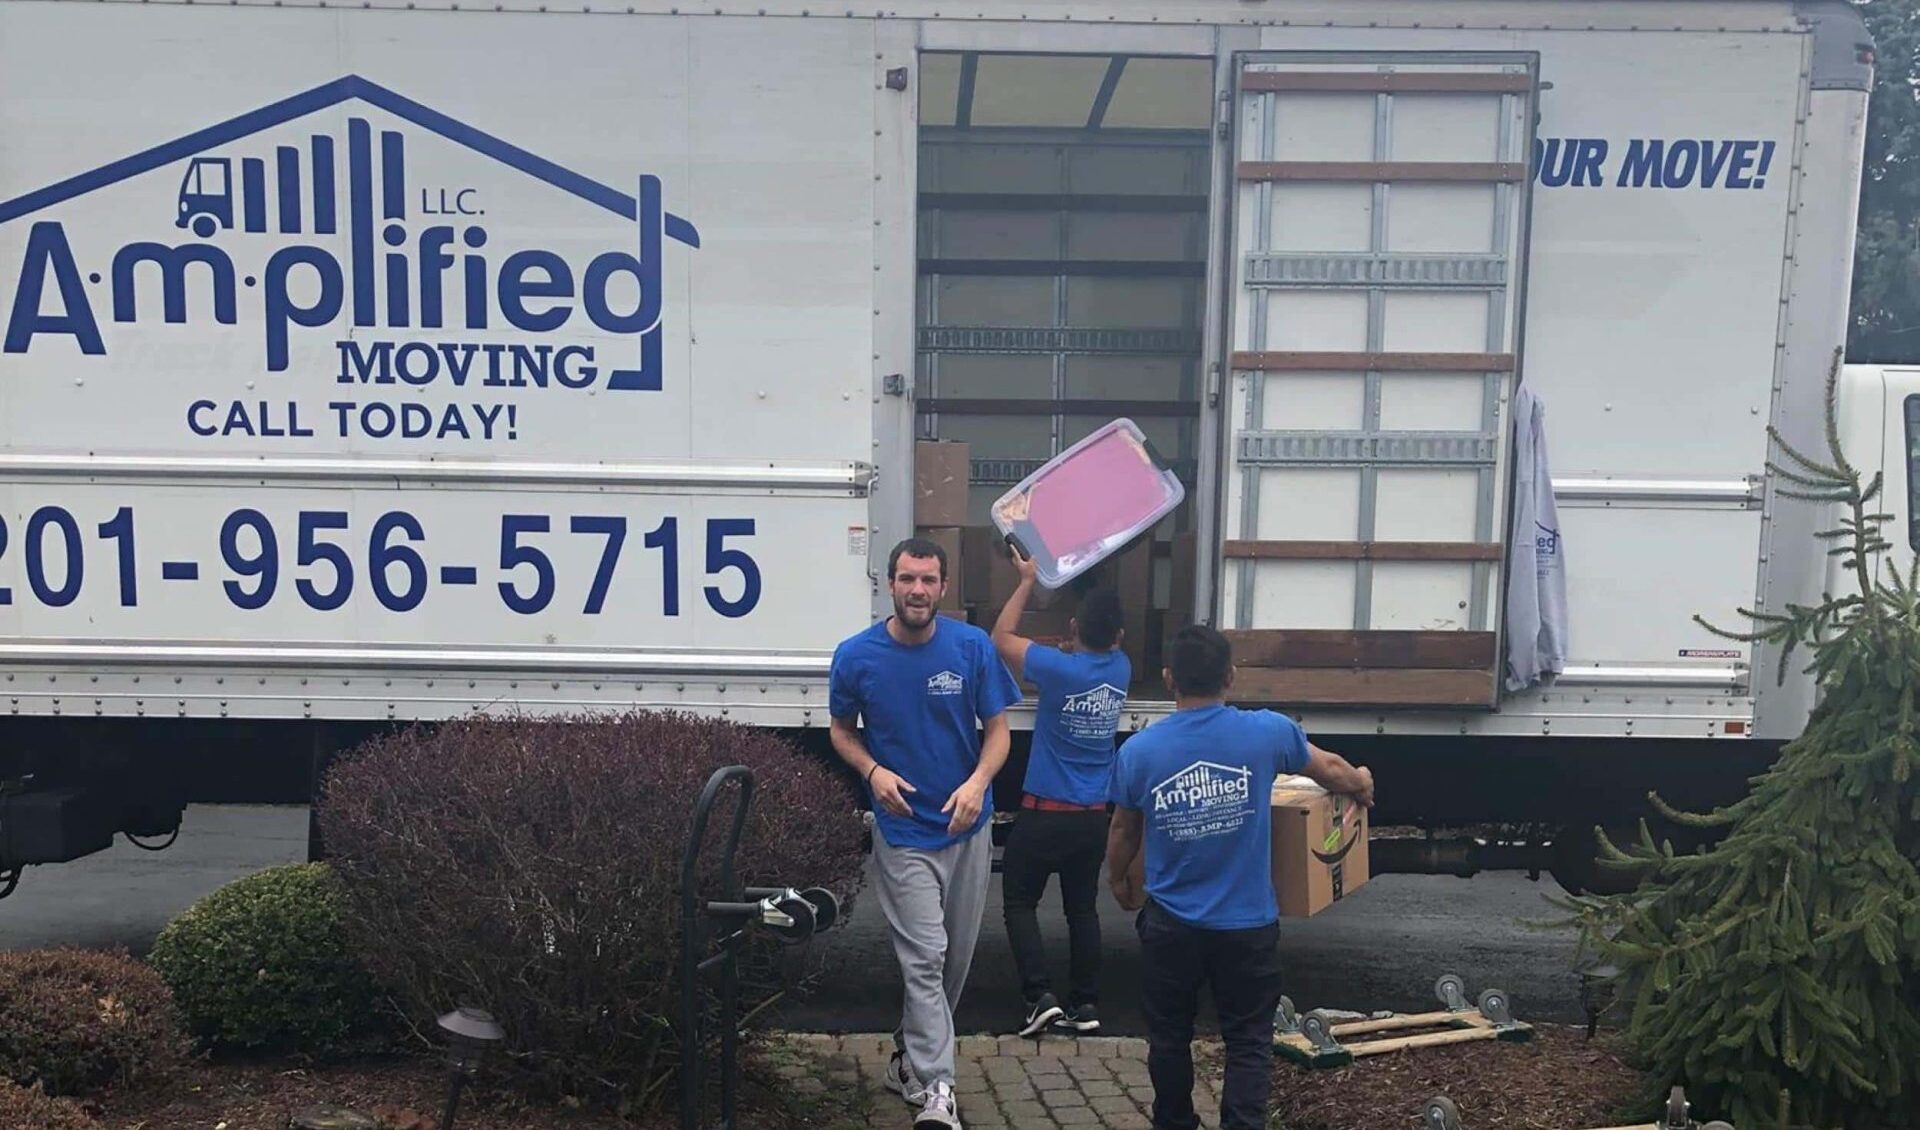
(1378, 226)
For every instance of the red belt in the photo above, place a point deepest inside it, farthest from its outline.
(1044, 804)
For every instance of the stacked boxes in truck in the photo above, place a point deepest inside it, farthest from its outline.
(355, 371)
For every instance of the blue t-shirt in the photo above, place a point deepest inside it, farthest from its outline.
(922, 706)
(1202, 781)
(1082, 695)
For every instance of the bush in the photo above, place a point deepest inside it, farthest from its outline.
(23, 1106)
(532, 868)
(75, 1021)
(264, 964)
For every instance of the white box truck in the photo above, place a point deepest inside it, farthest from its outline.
(390, 362)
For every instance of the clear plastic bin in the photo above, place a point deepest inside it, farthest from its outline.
(1088, 502)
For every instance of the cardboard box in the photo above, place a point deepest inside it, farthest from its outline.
(988, 576)
(1306, 819)
(1181, 588)
(1308, 824)
(948, 538)
(940, 474)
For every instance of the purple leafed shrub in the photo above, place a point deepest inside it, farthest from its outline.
(531, 867)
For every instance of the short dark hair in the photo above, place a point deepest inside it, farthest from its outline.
(916, 547)
(1200, 658)
(1100, 619)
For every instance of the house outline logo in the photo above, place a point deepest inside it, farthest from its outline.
(51, 303)
(1101, 700)
(946, 683)
(1546, 540)
(1203, 783)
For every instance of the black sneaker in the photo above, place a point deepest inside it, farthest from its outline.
(1082, 1019)
(1044, 1012)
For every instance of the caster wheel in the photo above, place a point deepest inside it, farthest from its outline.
(1495, 1006)
(1288, 1018)
(1677, 1109)
(1452, 992)
(1441, 1114)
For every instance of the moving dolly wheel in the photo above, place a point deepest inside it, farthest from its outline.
(1452, 992)
(1317, 1026)
(1677, 1118)
(1287, 1019)
(1441, 1114)
(1495, 1006)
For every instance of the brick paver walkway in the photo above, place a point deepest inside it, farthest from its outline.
(1005, 1081)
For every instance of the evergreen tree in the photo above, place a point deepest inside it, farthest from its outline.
(1776, 973)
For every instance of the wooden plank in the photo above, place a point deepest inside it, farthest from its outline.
(1430, 1040)
(1016, 406)
(1362, 82)
(1287, 647)
(1336, 686)
(1453, 1021)
(1275, 361)
(1365, 550)
(1373, 172)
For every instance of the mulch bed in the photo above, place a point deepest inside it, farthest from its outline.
(1557, 1081)
(408, 1093)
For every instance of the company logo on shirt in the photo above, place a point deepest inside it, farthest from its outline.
(1093, 715)
(1203, 800)
(946, 683)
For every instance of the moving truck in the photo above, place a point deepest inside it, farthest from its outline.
(388, 363)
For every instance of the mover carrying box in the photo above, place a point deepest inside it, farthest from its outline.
(1318, 856)
(1319, 847)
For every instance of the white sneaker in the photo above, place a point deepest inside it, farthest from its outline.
(900, 1080)
(941, 1112)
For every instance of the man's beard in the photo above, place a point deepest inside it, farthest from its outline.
(910, 616)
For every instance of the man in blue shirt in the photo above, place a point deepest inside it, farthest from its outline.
(1062, 827)
(1196, 790)
(924, 685)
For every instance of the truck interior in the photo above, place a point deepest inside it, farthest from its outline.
(1062, 284)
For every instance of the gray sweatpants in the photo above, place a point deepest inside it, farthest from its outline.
(933, 902)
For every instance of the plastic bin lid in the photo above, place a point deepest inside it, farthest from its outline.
(1088, 502)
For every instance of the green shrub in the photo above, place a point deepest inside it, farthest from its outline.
(75, 1021)
(24, 1106)
(531, 867)
(264, 965)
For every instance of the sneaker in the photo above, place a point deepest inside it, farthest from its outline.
(940, 1112)
(900, 1080)
(1083, 1019)
(1044, 1012)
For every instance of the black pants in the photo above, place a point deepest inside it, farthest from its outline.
(1041, 844)
(1243, 969)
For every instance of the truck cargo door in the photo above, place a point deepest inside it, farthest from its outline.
(1379, 225)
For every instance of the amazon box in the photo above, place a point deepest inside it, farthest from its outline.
(1319, 847)
(1308, 824)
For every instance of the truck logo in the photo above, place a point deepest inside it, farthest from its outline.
(416, 258)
